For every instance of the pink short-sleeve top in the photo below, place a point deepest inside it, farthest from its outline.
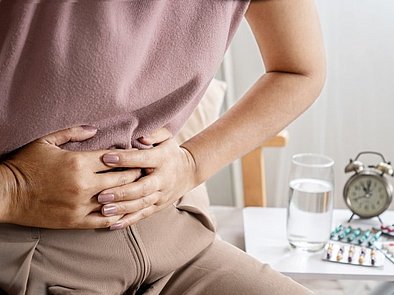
(125, 67)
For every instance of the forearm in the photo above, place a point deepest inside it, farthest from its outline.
(273, 102)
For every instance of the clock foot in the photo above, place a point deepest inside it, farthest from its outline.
(350, 219)
(380, 219)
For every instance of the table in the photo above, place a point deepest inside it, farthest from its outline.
(265, 239)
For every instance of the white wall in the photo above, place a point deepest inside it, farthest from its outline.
(355, 110)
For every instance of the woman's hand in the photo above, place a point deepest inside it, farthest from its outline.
(55, 188)
(170, 173)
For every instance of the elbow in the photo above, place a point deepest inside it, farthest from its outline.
(318, 80)
(310, 85)
(316, 76)
(306, 79)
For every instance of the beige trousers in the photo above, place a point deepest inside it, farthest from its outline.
(171, 252)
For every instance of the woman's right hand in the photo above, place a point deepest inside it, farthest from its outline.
(46, 186)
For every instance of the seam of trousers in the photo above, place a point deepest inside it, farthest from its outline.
(139, 256)
(144, 252)
(134, 254)
(35, 235)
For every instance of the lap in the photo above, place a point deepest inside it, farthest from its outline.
(45, 261)
(225, 269)
(37, 261)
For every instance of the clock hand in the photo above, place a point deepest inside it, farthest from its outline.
(369, 186)
(361, 197)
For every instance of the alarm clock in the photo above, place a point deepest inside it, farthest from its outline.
(368, 193)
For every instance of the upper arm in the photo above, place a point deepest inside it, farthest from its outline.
(289, 36)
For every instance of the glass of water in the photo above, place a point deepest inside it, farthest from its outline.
(309, 212)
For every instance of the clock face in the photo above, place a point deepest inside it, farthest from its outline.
(367, 195)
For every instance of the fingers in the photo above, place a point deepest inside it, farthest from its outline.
(127, 207)
(134, 158)
(94, 159)
(94, 205)
(143, 187)
(156, 137)
(78, 133)
(122, 214)
(132, 218)
(97, 220)
(111, 182)
(86, 162)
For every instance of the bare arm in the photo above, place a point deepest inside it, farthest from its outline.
(290, 42)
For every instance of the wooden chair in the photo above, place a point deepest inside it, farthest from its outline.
(253, 171)
(229, 219)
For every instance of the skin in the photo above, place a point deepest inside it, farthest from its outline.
(290, 42)
(46, 186)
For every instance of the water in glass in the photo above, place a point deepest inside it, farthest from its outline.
(309, 213)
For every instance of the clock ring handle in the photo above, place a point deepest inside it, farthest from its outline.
(371, 152)
(383, 167)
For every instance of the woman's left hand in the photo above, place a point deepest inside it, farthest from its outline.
(170, 173)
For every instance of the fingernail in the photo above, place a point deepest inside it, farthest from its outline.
(105, 198)
(142, 138)
(111, 158)
(89, 128)
(109, 210)
(117, 225)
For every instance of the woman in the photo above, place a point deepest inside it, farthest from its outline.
(97, 198)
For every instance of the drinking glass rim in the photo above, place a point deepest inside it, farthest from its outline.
(329, 164)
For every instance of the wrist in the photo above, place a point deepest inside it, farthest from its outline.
(197, 177)
(6, 191)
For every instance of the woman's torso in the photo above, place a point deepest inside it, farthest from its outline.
(126, 67)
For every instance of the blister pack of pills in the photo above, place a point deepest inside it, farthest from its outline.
(352, 254)
(356, 236)
(387, 248)
(388, 230)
